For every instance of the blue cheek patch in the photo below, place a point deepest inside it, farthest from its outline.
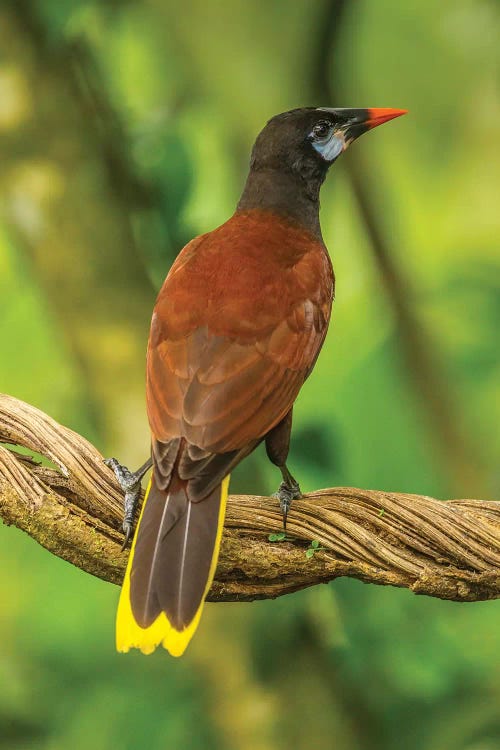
(330, 149)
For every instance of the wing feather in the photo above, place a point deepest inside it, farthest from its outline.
(224, 393)
(225, 363)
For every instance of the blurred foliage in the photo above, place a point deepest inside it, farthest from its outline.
(125, 130)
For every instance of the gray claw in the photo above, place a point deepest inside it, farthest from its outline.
(127, 479)
(130, 483)
(127, 528)
(286, 493)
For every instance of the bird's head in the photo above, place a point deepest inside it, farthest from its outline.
(307, 141)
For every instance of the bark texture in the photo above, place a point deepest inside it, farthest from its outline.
(71, 505)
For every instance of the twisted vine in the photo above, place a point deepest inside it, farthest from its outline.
(73, 508)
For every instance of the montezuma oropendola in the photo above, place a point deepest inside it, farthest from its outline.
(236, 330)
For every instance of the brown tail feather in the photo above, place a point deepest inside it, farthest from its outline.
(173, 554)
(171, 567)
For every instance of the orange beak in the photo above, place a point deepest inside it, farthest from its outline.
(382, 114)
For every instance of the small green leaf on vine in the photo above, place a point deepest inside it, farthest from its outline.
(315, 546)
(280, 537)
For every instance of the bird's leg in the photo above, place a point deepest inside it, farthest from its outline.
(130, 482)
(277, 446)
(288, 490)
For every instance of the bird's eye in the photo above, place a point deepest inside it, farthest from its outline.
(322, 130)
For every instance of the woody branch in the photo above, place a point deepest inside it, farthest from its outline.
(73, 508)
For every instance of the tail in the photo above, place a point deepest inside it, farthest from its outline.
(171, 568)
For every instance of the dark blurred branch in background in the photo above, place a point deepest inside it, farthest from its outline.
(72, 62)
(417, 349)
(82, 250)
(450, 550)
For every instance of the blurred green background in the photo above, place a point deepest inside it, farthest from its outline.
(125, 130)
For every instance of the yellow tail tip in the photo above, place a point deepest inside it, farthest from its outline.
(129, 635)
(161, 632)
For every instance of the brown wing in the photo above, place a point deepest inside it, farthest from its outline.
(220, 394)
(225, 364)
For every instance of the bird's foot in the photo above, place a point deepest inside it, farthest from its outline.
(130, 482)
(288, 491)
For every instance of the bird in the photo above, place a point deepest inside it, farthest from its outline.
(236, 329)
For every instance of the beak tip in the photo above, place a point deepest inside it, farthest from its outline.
(379, 115)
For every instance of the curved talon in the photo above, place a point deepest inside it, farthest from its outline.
(130, 483)
(127, 528)
(285, 503)
(111, 462)
(284, 510)
(286, 493)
